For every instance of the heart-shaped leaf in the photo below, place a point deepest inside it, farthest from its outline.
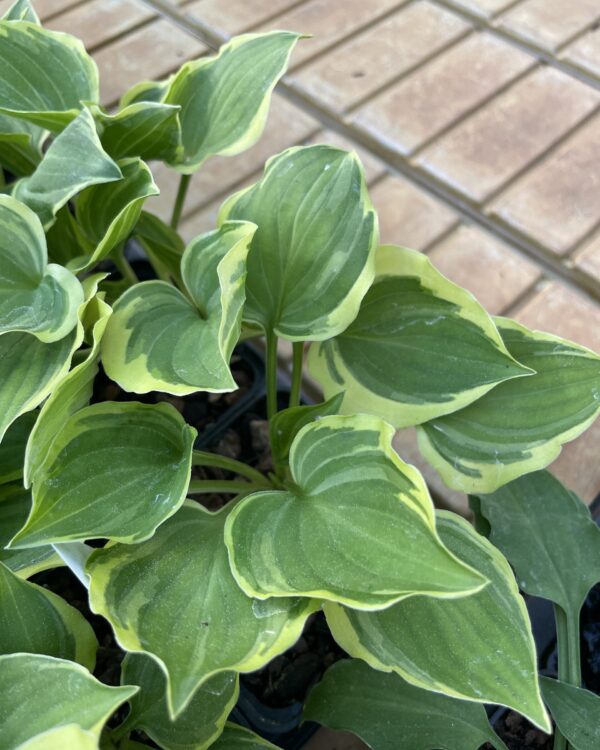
(69, 736)
(40, 693)
(36, 621)
(235, 737)
(71, 394)
(37, 297)
(356, 525)
(520, 425)
(312, 258)
(476, 648)
(12, 447)
(44, 75)
(549, 537)
(159, 339)
(74, 161)
(115, 471)
(420, 347)
(15, 503)
(21, 10)
(175, 598)
(225, 99)
(576, 712)
(108, 213)
(197, 727)
(388, 713)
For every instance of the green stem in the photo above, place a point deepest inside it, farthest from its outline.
(271, 374)
(202, 458)
(297, 364)
(569, 658)
(122, 264)
(225, 486)
(574, 651)
(184, 184)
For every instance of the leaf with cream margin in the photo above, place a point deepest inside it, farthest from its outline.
(36, 621)
(107, 213)
(67, 736)
(12, 447)
(312, 258)
(521, 425)
(21, 10)
(197, 727)
(71, 394)
(235, 737)
(44, 75)
(477, 648)
(116, 470)
(419, 348)
(159, 339)
(174, 597)
(42, 693)
(382, 708)
(36, 297)
(225, 99)
(355, 525)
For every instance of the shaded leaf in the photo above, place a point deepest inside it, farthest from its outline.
(174, 597)
(575, 711)
(356, 525)
(312, 257)
(520, 425)
(235, 737)
(420, 347)
(20, 145)
(12, 447)
(161, 243)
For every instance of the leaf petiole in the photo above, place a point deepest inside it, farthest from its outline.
(225, 486)
(203, 458)
(297, 364)
(184, 184)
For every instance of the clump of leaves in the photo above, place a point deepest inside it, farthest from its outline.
(196, 598)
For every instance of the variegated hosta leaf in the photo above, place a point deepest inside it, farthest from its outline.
(35, 296)
(115, 471)
(549, 537)
(356, 525)
(521, 425)
(36, 621)
(44, 75)
(15, 503)
(575, 711)
(163, 246)
(40, 693)
(65, 239)
(235, 737)
(158, 339)
(312, 258)
(420, 347)
(68, 736)
(20, 145)
(146, 91)
(74, 161)
(71, 394)
(108, 213)
(225, 99)
(174, 597)
(198, 726)
(476, 648)
(12, 447)
(388, 713)
(21, 10)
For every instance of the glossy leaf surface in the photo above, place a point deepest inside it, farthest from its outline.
(235, 737)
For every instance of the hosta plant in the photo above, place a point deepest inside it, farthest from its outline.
(340, 523)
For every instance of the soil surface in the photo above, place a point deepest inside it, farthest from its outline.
(519, 734)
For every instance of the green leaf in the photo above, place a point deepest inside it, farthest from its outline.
(146, 91)
(200, 723)
(44, 75)
(235, 737)
(69, 736)
(476, 648)
(225, 99)
(287, 423)
(387, 712)
(35, 296)
(162, 244)
(420, 347)
(108, 213)
(40, 693)
(549, 537)
(115, 471)
(575, 711)
(15, 503)
(521, 425)
(71, 394)
(21, 10)
(74, 161)
(149, 130)
(65, 239)
(160, 339)
(36, 621)
(312, 259)
(174, 597)
(12, 447)
(356, 525)
(20, 145)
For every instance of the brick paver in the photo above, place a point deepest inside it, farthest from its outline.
(487, 113)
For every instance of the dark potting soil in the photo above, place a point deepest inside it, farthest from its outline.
(519, 734)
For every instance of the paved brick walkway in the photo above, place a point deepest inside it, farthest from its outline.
(478, 122)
